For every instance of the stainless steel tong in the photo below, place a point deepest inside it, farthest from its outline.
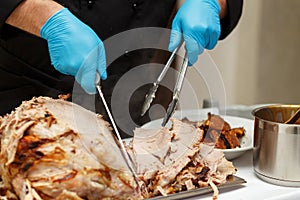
(176, 92)
(179, 82)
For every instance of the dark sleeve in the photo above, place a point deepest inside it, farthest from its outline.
(7, 6)
(234, 11)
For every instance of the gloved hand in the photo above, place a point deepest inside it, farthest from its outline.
(199, 22)
(75, 49)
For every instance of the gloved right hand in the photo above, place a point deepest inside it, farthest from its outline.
(75, 49)
(198, 22)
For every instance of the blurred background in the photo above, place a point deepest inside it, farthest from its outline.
(259, 60)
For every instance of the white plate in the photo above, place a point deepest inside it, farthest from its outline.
(235, 122)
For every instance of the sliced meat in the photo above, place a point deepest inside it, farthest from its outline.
(150, 148)
(59, 150)
(214, 159)
(216, 122)
(180, 160)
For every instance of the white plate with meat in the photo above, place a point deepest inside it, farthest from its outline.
(246, 141)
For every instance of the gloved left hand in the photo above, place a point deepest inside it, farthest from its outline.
(75, 49)
(199, 23)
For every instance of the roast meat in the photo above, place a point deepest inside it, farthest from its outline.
(54, 149)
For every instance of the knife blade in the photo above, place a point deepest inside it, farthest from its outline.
(123, 151)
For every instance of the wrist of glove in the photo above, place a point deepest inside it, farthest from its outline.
(198, 23)
(75, 49)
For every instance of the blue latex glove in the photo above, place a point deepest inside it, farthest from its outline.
(199, 22)
(75, 49)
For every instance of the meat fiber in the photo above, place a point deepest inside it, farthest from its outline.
(54, 149)
(174, 160)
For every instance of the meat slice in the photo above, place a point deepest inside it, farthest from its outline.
(186, 144)
(214, 159)
(150, 148)
(58, 150)
(162, 154)
(216, 122)
(174, 160)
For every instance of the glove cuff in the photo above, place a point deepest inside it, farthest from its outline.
(215, 4)
(53, 22)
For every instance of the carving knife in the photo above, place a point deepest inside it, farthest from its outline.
(124, 153)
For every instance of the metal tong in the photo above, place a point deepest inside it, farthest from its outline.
(151, 94)
(179, 82)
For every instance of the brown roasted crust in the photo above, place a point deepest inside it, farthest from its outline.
(64, 96)
(216, 122)
(219, 132)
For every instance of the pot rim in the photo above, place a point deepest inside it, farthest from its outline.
(254, 111)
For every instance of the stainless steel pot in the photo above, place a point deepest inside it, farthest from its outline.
(276, 153)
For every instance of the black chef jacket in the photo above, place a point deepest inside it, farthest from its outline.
(25, 67)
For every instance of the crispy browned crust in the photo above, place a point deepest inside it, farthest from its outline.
(218, 131)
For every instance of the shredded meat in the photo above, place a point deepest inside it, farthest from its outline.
(175, 159)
